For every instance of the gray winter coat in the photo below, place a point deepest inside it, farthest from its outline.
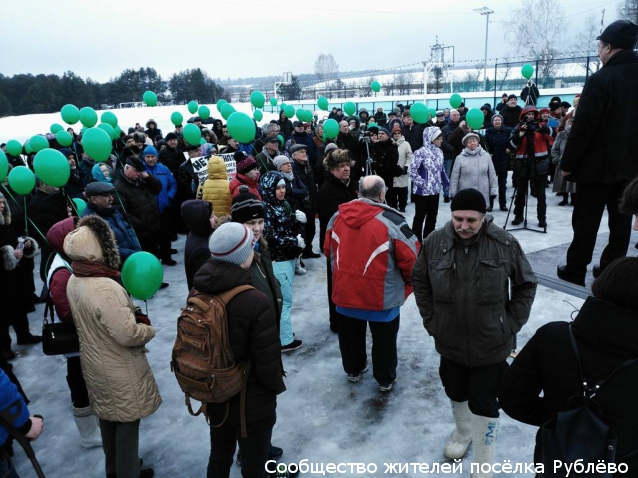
(474, 169)
(463, 293)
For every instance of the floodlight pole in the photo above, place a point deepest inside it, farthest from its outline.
(487, 12)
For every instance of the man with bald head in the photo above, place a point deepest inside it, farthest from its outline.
(372, 251)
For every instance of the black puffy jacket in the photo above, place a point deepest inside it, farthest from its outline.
(196, 215)
(253, 335)
(385, 155)
(606, 337)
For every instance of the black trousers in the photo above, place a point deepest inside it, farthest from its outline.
(425, 208)
(77, 385)
(310, 229)
(502, 189)
(477, 385)
(588, 212)
(254, 451)
(332, 308)
(20, 323)
(397, 198)
(539, 183)
(120, 441)
(352, 344)
(150, 244)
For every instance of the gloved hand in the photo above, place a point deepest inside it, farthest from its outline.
(300, 242)
(301, 217)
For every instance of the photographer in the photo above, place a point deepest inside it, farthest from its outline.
(529, 140)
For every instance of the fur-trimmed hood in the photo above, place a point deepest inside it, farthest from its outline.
(93, 240)
(5, 219)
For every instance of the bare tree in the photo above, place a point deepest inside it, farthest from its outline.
(505, 72)
(438, 79)
(628, 10)
(534, 30)
(402, 82)
(326, 67)
(586, 42)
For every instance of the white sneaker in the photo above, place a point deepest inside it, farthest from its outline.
(387, 388)
(354, 378)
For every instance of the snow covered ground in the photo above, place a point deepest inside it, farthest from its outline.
(322, 417)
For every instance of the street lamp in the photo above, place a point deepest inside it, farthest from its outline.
(485, 11)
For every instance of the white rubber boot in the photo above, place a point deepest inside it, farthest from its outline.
(484, 435)
(461, 438)
(87, 424)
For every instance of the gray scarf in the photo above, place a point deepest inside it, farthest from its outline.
(287, 176)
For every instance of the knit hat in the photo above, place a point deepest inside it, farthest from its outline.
(280, 160)
(150, 151)
(497, 115)
(231, 242)
(436, 134)
(170, 136)
(246, 165)
(246, 207)
(468, 136)
(469, 200)
(512, 96)
(385, 130)
(329, 147)
(396, 127)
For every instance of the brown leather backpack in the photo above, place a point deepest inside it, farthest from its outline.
(203, 361)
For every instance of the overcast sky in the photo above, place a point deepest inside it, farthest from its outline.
(229, 38)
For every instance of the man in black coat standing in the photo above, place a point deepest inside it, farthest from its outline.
(600, 156)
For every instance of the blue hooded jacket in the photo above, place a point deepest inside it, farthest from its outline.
(169, 185)
(125, 237)
(11, 398)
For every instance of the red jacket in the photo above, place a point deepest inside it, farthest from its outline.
(372, 251)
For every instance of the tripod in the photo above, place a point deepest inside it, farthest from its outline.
(524, 227)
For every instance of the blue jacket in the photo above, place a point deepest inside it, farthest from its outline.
(125, 237)
(169, 185)
(9, 395)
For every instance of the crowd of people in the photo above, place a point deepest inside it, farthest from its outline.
(472, 282)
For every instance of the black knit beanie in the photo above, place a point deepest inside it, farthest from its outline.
(469, 200)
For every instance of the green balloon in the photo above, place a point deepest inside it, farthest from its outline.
(302, 115)
(258, 115)
(192, 107)
(330, 128)
(27, 147)
(527, 71)
(63, 138)
(432, 113)
(55, 127)
(109, 130)
(220, 104)
(257, 99)
(14, 148)
(52, 167)
(109, 117)
(375, 86)
(21, 180)
(38, 143)
(204, 112)
(419, 113)
(474, 118)
(455, 100)
(227, 110)
(149, 98)
(273, 101)
(283, 106)
(241, 127)
(289, 111)
(281, 139)
(88, 117)
(4, 166)
(97, 144)
(80, 205)
(350, 108)
(70, 114)
(117, 131)
(177, 118)
(142, 275)
(322, 102)
(202, 141)
(192, 134)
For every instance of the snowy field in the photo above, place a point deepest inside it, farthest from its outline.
(322, 417)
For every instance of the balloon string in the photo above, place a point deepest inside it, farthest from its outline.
(26, 220)
(25, 213)
(146, 306)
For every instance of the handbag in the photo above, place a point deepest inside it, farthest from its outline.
(58, 338)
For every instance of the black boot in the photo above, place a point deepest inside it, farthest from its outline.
(564, 201)
(489, 209)
(517, 220)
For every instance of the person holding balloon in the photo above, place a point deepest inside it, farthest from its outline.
(75, 184)
(119, 380)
